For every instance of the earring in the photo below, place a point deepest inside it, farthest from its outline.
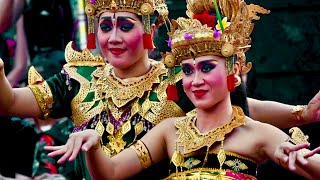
(237, 80)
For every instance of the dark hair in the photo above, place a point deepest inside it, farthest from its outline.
(239, 98)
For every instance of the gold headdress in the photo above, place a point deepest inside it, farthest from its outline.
(145, 8)
(200, 35)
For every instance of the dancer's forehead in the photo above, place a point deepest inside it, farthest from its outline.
(202, 60)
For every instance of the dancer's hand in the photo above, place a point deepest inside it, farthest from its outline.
(289, 155)
(312, 112)
(84, 140)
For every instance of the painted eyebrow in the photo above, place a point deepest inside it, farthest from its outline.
(201, 63)
(105, 18)
(123, 18)
(120, 18)
(207, 61)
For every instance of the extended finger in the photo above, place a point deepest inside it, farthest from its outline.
(52, 148)
(301, 159)
(292, 160)
(58, 152)
(76, 148)
(291, 147)
(67, 154)
(313, 152)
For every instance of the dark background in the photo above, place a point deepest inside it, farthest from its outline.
(285, 55)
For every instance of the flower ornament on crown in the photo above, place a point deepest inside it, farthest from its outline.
(144, 8)
(207, 32)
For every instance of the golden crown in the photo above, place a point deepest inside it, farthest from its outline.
(192, 38)
(140, 7)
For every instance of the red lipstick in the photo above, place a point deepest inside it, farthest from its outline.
(199, 93)
(116, 51)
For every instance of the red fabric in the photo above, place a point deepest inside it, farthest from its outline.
(147, 41)
(48, 139)
(91, 41)
(172, 93)
(53, 169)
(206, 18)
(231, 82)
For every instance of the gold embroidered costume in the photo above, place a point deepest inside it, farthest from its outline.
(121, 110)
(207, 32)
(88, 91)
(190, 161)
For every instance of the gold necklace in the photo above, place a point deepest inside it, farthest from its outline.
(123, 91)
(191, 139)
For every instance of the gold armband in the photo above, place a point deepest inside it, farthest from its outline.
(41, 91)
(44, 97)
(143, 154)
(297, 111)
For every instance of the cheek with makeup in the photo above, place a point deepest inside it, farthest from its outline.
(120, 37)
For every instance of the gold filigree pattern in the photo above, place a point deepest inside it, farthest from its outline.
(39, 95)
(143, 154)
(135, 6)
(41, 91)
(191, 139)
(83, 58)
(82, 111)
(201, 40)
(122, 91)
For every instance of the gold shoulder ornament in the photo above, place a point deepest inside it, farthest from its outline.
(41, 91)
(83, 58)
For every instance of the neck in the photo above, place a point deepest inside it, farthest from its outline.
(141, 67)
(219, 114)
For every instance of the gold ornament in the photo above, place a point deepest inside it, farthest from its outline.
(234, 40)
(100, 128)
(116, 143)
(227, 50)
(196, 6)
(297, 111)
(297, 136)
(177, 159)
(190, 138)
(123, 91)
(146, 9)
(114, 6)
(143, 154)
(168, 59)
(90, 10)
(140, 7)
(41, 91)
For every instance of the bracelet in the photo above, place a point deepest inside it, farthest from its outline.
(297, 111)
(143, 154)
